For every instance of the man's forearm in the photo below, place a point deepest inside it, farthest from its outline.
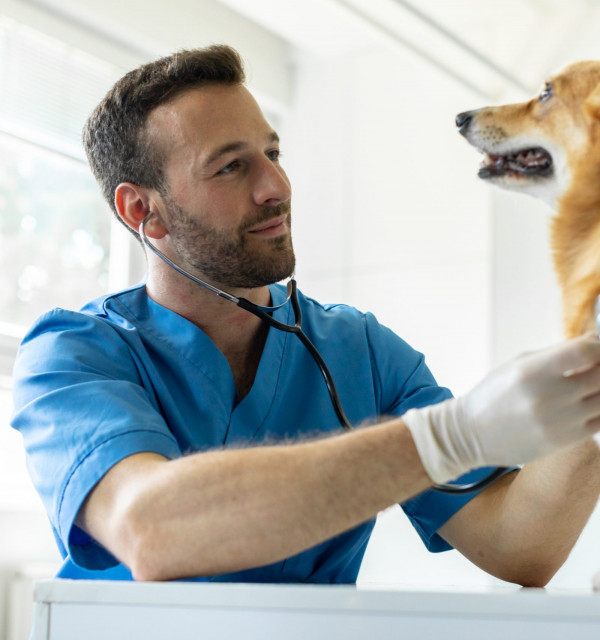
(226, 511)
(528, 523)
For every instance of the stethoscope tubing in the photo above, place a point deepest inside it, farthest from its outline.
(296, 329)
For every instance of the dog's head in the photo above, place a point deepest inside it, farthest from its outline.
(538, 146)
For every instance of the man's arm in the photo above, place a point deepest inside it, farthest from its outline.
(226, 511)
(223, 511)
(523, 527)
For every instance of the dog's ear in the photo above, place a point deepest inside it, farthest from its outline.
(592, 104)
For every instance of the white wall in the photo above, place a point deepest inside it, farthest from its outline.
(525, 295)
(388, 213)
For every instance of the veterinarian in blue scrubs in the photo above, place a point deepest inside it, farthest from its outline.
(173, 435)
(149, 380)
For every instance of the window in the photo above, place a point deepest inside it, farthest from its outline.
(55, 228)
(54, 232)
(57, 241)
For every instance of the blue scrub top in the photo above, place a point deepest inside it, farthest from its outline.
(126, 375)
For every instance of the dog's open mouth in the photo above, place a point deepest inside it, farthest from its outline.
(526, 163)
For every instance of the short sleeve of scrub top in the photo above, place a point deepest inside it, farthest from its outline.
(83, 409)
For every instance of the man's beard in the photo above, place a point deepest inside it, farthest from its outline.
(224, 257)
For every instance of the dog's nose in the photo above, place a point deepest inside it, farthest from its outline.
(463, 120)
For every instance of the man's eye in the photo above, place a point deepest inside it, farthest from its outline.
(274, 155)
(546, 93)
(231, 167)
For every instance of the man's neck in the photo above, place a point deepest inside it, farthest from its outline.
(239, 335)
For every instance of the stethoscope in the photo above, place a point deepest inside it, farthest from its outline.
(264, 313)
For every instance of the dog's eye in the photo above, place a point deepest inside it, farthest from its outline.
(546, 93)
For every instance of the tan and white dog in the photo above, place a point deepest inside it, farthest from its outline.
(549, 147)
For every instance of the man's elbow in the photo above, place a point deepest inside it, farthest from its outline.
(144, 551)
(532, 575)
(145, 569)
(533, 581)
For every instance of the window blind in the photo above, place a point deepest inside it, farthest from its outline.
(48, 88)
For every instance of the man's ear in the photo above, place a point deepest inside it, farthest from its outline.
(592, 104)
(133, 203)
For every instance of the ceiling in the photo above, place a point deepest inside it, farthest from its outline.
(502, 49)
(494, 47)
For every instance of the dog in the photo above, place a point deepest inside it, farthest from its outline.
(549, 147)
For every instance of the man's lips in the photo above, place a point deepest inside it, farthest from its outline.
(272, 227)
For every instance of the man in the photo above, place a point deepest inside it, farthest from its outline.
(172, 434)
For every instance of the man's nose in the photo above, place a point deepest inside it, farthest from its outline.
(272, 184)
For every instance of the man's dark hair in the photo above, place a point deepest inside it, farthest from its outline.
(114, 137)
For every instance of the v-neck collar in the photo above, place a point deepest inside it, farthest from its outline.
(190, 343)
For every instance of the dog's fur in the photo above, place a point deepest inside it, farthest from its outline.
(549, 147)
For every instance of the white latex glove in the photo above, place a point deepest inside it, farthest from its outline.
(525, 409)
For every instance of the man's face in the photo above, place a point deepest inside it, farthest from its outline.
(227, 207)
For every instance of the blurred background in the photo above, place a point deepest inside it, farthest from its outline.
(389, 215)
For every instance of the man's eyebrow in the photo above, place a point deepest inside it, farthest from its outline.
(234, 146)
(222, 150)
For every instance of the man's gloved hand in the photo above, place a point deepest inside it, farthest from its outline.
(528, 408)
